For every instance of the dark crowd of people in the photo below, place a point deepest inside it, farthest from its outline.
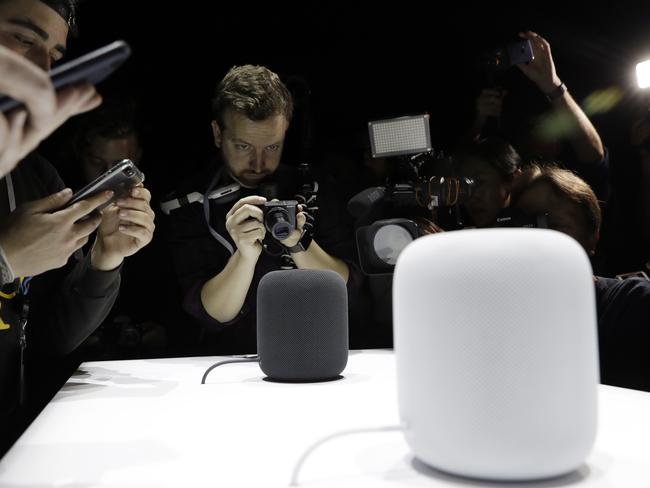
(81, 285)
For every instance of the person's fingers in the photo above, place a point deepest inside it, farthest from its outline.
(544, 42)
(87, 226)
(248, 212)
(22, 80)
(140, 234)
(40, 126)
(4, 130)
(50, 202)
(136, 217)
(80, 243)
(83, 207)
(245, 227)
(141, 193)
(253, 236)
(16, 147)
(250, 200)
(88, 104)
(135, 204)
(301, 218)
(71, 101)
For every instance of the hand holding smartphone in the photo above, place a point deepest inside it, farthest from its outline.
(91, 68)
(120, 179)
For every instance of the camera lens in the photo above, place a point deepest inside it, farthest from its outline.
(389, 242)
(277, 222)
(129, 172)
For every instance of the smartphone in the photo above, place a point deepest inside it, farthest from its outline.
(121, 178)
(92, 68)
(520, 52)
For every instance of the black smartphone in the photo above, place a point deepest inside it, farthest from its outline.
(92, 68)
(520, 52)
(121, 178)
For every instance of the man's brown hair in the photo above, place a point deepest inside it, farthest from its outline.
(254, 91)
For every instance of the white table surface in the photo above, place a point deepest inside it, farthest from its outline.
(150, 423)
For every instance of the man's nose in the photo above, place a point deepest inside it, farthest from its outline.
(258, 163)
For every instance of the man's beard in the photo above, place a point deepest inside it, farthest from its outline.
(252, 178)
(249, 179)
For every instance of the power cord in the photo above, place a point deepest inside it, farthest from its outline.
(253, 358)
(312, 448)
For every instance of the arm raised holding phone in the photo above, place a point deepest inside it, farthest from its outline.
(584, 138)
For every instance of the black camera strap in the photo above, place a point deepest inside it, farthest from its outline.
(206, 213)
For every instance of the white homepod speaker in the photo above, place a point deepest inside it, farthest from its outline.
(497, 354)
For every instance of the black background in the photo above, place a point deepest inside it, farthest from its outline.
(361, 61)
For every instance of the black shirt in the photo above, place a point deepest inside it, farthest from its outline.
(198, 256)
(624, 332)
(65, 307)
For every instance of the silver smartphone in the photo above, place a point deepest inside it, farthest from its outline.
(121, 179)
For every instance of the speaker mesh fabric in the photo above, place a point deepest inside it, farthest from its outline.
(495, 339)
(302, 325)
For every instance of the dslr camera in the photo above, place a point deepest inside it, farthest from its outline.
(513, 217)
(280, 218)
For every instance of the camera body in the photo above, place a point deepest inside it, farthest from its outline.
(512, 217)
(280, 218)
(426, 180)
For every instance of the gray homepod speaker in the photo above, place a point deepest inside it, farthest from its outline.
(496, 347)
(302, 325)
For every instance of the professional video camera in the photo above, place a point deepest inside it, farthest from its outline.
(422, 182)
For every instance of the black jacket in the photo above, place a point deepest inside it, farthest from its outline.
(65, 306)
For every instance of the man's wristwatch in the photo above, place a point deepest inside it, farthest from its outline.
(556, 93)
(297, 248)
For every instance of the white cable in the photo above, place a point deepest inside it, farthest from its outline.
(312, 448)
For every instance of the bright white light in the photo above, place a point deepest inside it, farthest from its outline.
(643, 74)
